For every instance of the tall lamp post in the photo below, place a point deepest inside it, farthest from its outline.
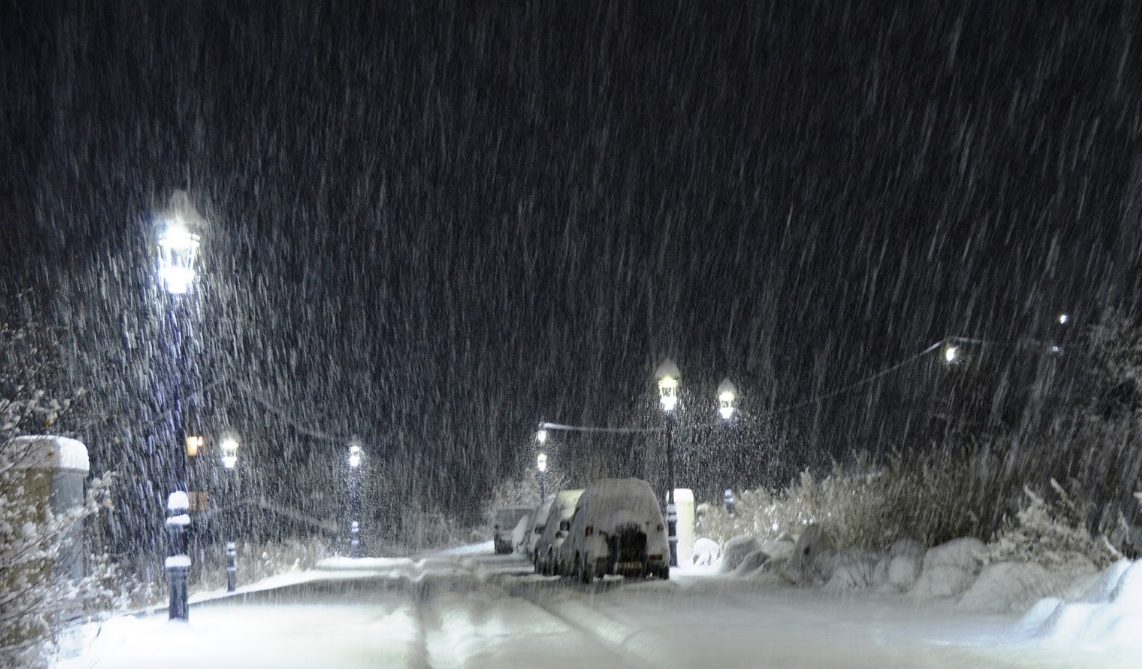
(669, 383)
(541, 462)
(541, 465)
(230, 463)
(178, 252)
(354, 500)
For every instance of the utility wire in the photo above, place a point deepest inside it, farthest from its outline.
(790, 407)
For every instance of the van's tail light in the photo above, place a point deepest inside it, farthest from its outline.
(588, 531)
(657, 557)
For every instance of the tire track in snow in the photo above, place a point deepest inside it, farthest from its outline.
(470, 619)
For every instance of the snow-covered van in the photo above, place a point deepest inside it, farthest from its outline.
(546, 551)
(617, 528)
(504, 521)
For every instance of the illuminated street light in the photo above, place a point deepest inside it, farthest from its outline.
(1064, 318)
(541, 463)
(229, 448)
(541, 436)
(669, 383)
(355, 455)
(727, 395)
(194, 446)
(177, 247)
(951, 354)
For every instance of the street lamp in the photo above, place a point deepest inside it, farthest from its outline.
(354, 499)
(541, 465)
(951, 354)
(229, 452)
(669, 380)
(178, 244)
(229, 447)
(541, 436)
(727, 395)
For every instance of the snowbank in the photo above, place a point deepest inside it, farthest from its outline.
(736, 551)
(1109, 614)
(856, 570)
(904, 562)
(812, 559)
(706, 552)
(949, 569)
(1009, 587)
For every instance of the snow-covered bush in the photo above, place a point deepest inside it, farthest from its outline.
(1050, 533)
(35, 599)
(859, 507)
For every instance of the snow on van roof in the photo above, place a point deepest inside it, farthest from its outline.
(608, 495)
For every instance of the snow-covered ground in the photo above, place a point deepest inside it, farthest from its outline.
(468, 608)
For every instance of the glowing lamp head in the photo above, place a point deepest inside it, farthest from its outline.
(1064, 318)
(541, 436)
(178, 244)
(541, 462)
(194, 446)
(727, 395)
(354, 456)
(669, 383)
(951, 354)
(229, 448)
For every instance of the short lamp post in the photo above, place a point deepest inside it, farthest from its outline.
(178, 253)
(229, 448)
(669, 380)
(355, 456)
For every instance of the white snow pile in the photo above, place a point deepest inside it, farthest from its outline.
(949, 569)
(857, 569)
(736, 551)
(706, 552)
(1109, 613)
(904, 561)
(1010, 587)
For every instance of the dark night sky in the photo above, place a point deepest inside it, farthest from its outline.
(436, 225)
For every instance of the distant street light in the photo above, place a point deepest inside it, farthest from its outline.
(541, 462)
(951, 354)
(178, 254)
(1064, 318)
(541, 436)
(354, 499)
(727, 395)
(194, 446)
(229, 447)
(229, 452)
(669, 380)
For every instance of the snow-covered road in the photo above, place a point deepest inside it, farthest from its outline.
(488, 611)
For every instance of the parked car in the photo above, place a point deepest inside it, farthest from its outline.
(536, 522)
(504, 521)
(547, 546)
(616, 528)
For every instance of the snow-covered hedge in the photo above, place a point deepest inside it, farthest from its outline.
(1051, 534)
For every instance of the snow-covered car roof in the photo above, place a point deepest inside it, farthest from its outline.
(632, 496)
